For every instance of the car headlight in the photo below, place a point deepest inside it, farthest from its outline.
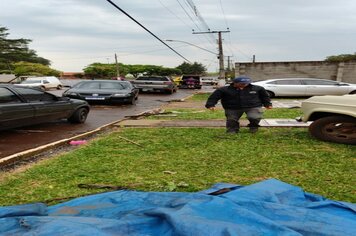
(70, 94)
(121, 95)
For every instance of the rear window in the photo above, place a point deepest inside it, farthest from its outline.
(102, 85)
(153, 78)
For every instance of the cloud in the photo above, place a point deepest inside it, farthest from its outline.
(75, 33)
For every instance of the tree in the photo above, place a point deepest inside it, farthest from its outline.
(108, 71)
(35, 69)
(341, 58)
(16, 50)
(195, 68)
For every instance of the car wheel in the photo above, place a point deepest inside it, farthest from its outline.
(353, 92)
(338, 129)
(133, 101)
(270, 94)
(79, 116)
(59, 87)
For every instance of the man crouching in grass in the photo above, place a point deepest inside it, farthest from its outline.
(238, 98)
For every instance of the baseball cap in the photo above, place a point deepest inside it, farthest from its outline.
(242, 80)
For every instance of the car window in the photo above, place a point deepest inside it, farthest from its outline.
(111, 85)
(6, 96)
(30, 82)
(319, 82)
(34, 95)
(88, 85)
(45, 81)
(287, 82)
(101, 85)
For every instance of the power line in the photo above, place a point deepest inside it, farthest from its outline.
(200, 18)
(222, 9)
(121, 54)
(191, 18)
(117, 7)
(174, 13)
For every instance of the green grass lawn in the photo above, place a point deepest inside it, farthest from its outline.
(189, 159)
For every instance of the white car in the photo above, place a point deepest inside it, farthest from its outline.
(334, 118)
(305, 87)
(43, 83)
(210, 80)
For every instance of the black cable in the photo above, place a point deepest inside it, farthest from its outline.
(117, 7)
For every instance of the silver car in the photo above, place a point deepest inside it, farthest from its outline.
(305, 87)
(155, 83)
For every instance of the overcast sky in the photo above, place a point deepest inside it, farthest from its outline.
(75, 33)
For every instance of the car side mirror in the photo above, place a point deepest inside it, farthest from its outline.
(63, 98)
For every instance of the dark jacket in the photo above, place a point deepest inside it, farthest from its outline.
(234, 98)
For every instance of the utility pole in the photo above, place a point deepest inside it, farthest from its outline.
(228, 63)
(117, 68)
(221, 53)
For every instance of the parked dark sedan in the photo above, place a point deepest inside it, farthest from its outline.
(108, 91)
(21, 106)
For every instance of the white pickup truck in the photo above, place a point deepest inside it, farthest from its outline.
(334, 118)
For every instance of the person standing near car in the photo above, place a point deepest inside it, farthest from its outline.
(239, 98)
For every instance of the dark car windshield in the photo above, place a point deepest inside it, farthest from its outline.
(153, 78)
(102, 85)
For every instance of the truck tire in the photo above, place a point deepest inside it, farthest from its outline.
(79, 116)
(337, 129)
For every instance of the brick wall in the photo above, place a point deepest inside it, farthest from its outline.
(345, 72)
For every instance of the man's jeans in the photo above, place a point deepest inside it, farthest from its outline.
(254, 115)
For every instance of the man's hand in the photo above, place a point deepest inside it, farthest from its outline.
(269, 107)
(211, 108)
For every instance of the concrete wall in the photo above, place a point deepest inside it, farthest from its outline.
(345, 72)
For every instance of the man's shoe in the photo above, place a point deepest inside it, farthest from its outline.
(253, 130)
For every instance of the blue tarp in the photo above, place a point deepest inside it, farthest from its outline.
(269, 207)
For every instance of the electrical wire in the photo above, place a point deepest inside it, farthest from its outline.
(173, 13)
(117, 7)
(191, 18)
(121, 54)
(200, 18)
(222, 9)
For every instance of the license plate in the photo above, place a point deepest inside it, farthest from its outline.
(94, 98)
